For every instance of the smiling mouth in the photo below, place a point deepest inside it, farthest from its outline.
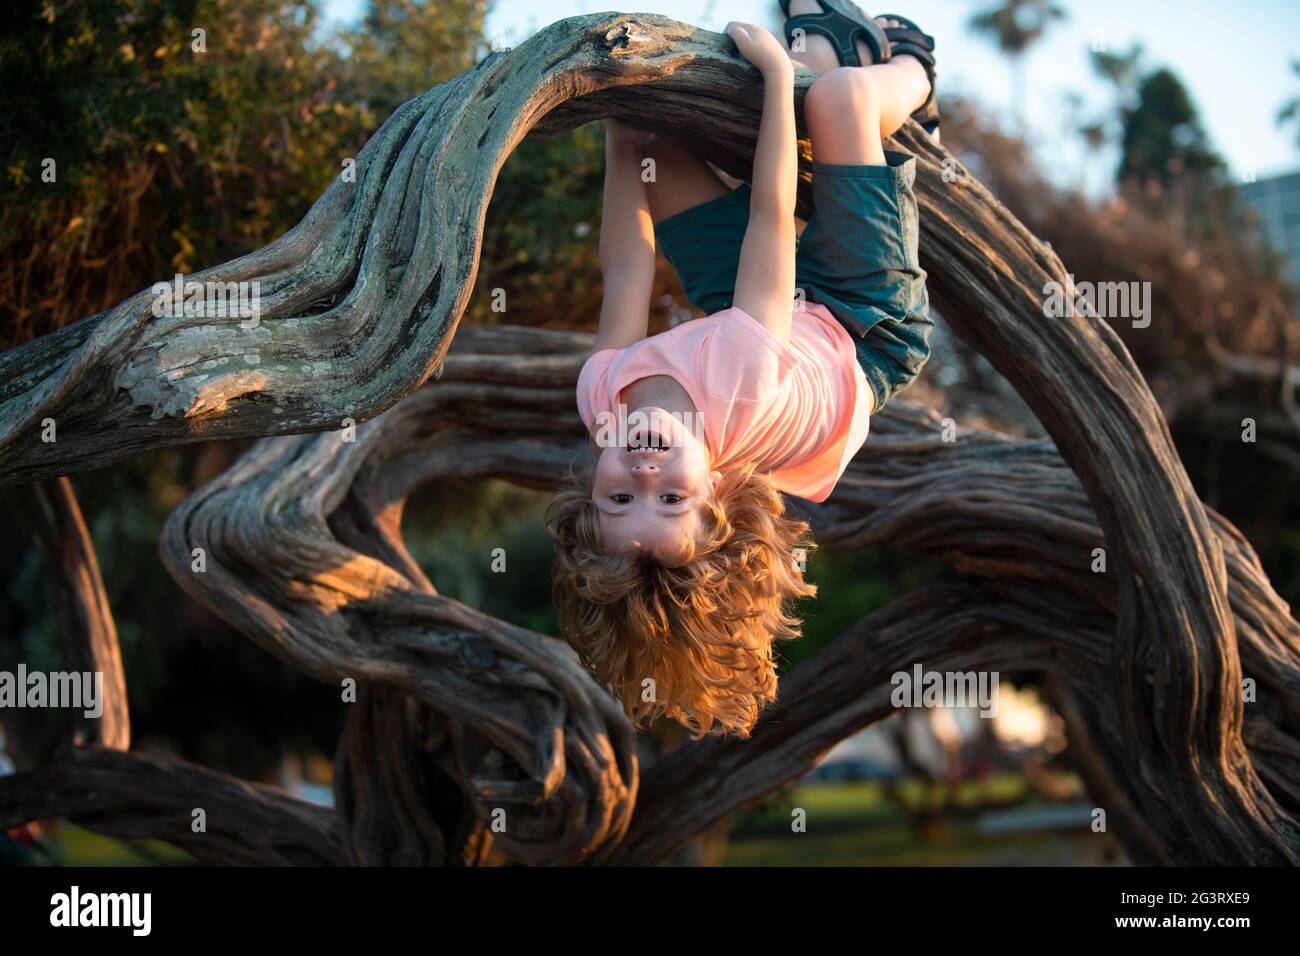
(647, 443)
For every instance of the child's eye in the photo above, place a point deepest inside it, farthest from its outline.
(620, 499)
(670, 499)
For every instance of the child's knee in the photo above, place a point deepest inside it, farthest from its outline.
(840, 93)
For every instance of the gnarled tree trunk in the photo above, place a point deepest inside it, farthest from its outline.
(470, 729)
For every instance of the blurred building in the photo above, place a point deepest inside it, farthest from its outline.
(1277, 201)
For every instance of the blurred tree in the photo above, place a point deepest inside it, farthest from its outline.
(1289, 114)
(1016, 25)
(403, 47)
(1121, 71)
(539, 241)
(1222, 318)
(145, 137)
(1163, 140)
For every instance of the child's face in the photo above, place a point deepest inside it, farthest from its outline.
(649, 494)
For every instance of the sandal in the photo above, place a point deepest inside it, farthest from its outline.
(844, 24)
(910, 39)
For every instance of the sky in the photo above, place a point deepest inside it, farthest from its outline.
(1234, 60)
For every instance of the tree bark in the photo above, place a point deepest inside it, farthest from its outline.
(86, 628)
(142, 796)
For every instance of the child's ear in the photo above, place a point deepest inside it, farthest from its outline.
(714, 478)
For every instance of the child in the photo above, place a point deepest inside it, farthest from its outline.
(676, 562)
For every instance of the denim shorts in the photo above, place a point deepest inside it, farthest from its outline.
(857, 257)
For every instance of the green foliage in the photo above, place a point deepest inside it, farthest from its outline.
(539, 240)
(248, 120)
(453, 535)
(403, 47)
(1163, 138)
(176, 150)
(849, 587)
(1156, 124)
(169, 159)
(1121, 69)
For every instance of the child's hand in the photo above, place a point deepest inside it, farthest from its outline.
(760, 48)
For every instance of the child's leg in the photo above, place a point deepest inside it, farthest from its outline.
(699, 224)
(681, 180)
(850, 110)
(858, 256)
(897, 87)
(843, 112)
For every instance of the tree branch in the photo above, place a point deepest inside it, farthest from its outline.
(143, 796)
(86, 627)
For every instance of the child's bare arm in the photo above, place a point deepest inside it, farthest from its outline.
(765, 276)
(627, 245)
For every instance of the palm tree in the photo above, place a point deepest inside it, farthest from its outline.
(1289, 114)
(1123, 71)
(1016, 25)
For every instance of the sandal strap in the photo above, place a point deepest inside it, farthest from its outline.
(863, 26)
(845, 43)
(843, 32)
(908, 38)
(897, 47)
(908, 32)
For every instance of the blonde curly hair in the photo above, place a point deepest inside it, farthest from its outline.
(700, 625)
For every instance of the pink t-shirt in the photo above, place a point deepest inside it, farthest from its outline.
(800, 411)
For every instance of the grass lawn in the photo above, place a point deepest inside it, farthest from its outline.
(855, 824)
(850, 824)
(78, 847)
